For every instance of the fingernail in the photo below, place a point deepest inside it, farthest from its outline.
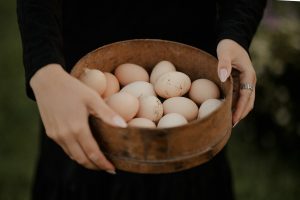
(223, 74)
(111, 172)
(119, 122)
(235, 124)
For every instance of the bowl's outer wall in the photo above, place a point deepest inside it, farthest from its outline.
(162, 150)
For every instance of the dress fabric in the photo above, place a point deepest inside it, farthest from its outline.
(62, 31)
(59, 178)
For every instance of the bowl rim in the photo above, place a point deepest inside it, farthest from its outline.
(150, 40)
(152, 164)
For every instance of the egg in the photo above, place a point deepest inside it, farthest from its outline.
(142, 123)
(139, 88)
(181, 105)
(129, 72)
(94, 79)
(171, 120)
(203, 89)
(150, 108)
(112, 85)
(159, 69)
(124, 104)
(208, 106)
(172, 84)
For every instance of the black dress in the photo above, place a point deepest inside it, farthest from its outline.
(62, 31)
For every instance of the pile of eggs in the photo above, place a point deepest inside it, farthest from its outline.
(167, 98)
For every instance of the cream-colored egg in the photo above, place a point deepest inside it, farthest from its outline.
(142, 123)
(124, 104)
(139, 88)
(112, 85)
(181, 105)
(172, 84)
(129, 72)
(94, 79)
(150, 108)
(161, 68)
(171, 120)
(208, 107)
(203, 89)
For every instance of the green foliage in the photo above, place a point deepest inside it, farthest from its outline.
(264, 149)
(276, 57)
(18, 117)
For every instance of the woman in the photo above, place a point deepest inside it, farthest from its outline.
(56, 33)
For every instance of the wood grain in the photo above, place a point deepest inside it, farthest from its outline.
(142, 150)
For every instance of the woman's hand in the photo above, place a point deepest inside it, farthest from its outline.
(231, 54)
(65, 104)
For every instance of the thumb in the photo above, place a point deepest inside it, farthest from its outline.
(98, 108)
(224, 67)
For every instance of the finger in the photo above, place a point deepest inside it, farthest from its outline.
(98, 108)
(224, 66)
(92, 151)
(79, 156)
(247, 75)
(250, 105)
(241, 105)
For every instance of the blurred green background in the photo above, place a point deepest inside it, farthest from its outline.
(264, 149)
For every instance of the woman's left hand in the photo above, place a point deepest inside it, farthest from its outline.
(232, 55)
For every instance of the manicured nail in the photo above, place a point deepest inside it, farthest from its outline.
(119, 122)
(111, 172)
(235, 124)
(223, 74)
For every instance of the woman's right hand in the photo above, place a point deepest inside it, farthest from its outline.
(65, 104)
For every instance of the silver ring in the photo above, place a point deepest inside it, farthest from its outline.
(246, 86)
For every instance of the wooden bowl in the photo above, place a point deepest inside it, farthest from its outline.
(144, 150)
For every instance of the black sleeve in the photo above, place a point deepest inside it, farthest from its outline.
(40, 24)
(239, 19)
